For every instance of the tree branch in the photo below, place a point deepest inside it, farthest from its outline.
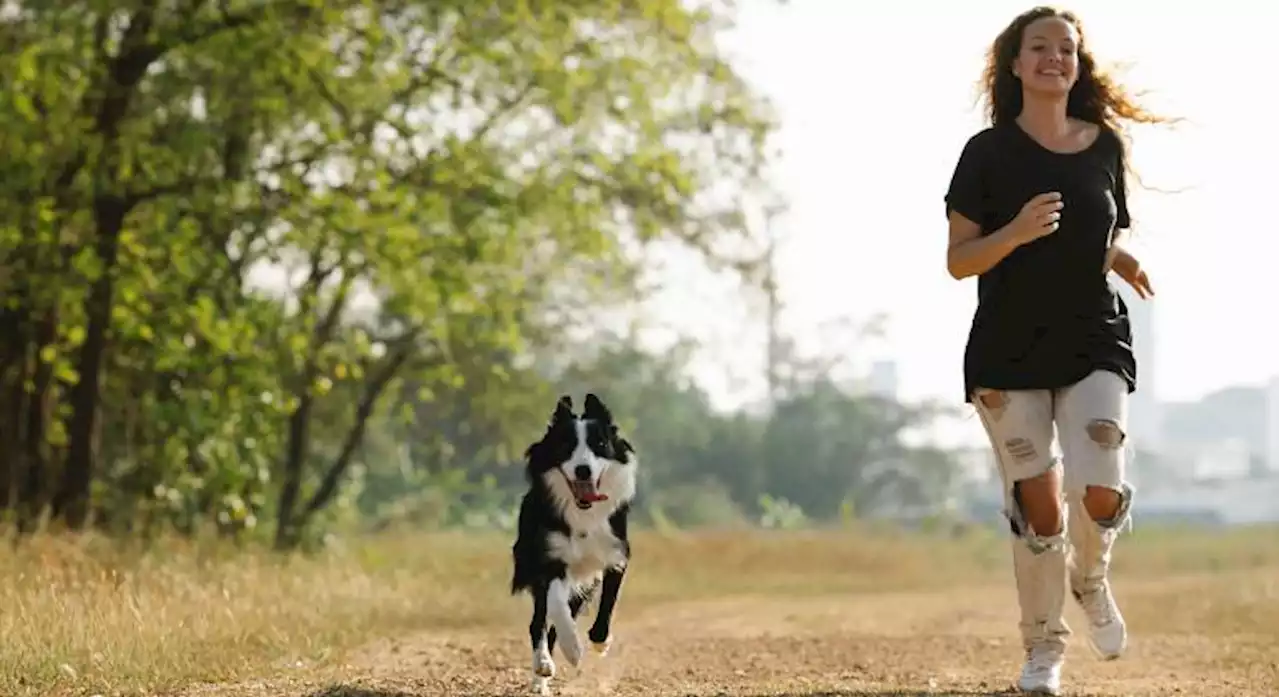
(374, 388)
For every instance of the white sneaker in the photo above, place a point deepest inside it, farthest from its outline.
(1107, 633)
(1042, 673)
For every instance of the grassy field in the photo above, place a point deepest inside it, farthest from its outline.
(856, 612)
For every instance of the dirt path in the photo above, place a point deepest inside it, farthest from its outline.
(958, 643)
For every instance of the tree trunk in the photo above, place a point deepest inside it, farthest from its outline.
(13, 374)
(295, 457)
(34, 437)
(72, 500)
(110, 207)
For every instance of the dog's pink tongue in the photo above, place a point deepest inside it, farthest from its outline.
(586, 492)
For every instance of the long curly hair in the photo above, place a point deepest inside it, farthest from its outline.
(1096, 97)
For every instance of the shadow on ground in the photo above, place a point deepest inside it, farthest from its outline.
(350, 691)
(344, 691)
(355, 691)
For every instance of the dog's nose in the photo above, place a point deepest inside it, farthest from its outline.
(582, 472)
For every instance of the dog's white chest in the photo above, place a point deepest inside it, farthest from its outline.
(587, 553)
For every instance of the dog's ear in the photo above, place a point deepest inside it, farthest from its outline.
(564, 410)
(622, 447)
(596, 410)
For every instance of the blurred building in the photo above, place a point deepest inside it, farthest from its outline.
(1225, 458)
(883, 379)
(1272, 444)
(1145, 417)
(1212, 430)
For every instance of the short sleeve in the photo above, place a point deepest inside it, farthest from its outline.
(967, 193)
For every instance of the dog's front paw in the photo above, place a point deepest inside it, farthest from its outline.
(600, 639)
(543, 666)
(602, 648)
(571, 644)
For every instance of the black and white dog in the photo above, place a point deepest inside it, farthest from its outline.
(572, 530)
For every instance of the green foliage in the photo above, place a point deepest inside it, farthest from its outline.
(696, 505)
(268, 268)
(780, 513)
(822, 453)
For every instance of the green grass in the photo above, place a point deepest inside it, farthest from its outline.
(83, 615)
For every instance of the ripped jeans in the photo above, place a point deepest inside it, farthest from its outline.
(1091, 420)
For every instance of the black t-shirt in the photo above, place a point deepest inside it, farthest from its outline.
(1047, 316)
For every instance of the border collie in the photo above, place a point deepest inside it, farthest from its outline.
(572, 532)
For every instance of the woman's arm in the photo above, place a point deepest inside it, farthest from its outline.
(971, 254)
(1127, 267)
(1116, 250)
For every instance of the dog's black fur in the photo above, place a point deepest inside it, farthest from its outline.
(569, 541)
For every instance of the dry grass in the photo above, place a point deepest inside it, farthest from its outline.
(81, 616)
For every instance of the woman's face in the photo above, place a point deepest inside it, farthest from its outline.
(1048, 62)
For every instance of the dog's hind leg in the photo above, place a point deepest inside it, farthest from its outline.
(558, 598)
(600, 634)
(543, 667)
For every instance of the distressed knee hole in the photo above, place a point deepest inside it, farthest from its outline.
(1021, 449)
(1106, 506)
(1017, 521)
(1042, 525)
(1023, 530)
(1105, 433)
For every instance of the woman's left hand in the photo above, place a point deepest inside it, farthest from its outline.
(1130, 269)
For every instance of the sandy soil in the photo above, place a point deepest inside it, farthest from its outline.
(962, 642)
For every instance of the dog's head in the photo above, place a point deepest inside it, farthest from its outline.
(583, 459)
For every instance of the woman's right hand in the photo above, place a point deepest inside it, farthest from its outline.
(1038, 217)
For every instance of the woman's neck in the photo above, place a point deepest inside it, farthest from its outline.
(1044, 118)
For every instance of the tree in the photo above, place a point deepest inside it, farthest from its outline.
(438, 181)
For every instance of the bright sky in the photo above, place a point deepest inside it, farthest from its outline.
(877, 100)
